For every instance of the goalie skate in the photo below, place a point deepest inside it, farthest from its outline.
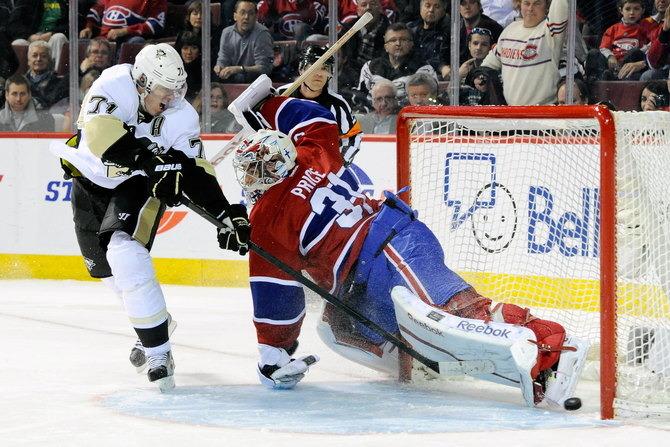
(161, 371)
(137, 356)
(561, 383)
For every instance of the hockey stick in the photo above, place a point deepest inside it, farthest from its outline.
(329, 297)
(360, 23)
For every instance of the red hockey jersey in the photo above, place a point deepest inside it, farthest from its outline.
(314, 220)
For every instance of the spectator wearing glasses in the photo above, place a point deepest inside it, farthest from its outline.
(98, 55)
(479, 42)
(528, 53)
(365, 45)
(382, 118)
(431, 35)
(472, 17)
(397, 64)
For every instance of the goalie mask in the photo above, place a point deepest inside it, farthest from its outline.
(262, 160)
(159, 70)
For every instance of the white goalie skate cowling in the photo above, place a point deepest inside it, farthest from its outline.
(564, 380)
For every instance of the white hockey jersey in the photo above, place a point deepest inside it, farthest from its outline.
(115, 94)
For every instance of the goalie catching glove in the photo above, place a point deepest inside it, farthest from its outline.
(278, 370)
(235, 235)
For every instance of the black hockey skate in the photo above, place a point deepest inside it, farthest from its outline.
(161, 370)
(137, 357)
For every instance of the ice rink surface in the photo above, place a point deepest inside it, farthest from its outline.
(65, 381)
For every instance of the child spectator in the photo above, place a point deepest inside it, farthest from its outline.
(421, 90)
(623, 45)
(19, 113)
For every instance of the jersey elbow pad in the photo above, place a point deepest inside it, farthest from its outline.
(102, 133)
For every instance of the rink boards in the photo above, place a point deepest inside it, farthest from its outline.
(38, 239)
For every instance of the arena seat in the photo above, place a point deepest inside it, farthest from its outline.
(128, 52)
(625, 95)
(21, 52)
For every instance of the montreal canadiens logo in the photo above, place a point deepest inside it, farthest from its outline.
(529, 53)
(116, 16)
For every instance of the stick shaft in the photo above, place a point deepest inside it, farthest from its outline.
(332, 299)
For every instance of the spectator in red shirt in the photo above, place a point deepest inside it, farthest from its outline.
(130, 21)
(623, 44)
(659, 49)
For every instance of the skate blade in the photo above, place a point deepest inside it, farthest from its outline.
(140, 369)
(165, 384)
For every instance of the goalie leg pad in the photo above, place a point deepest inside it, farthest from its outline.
(135, 277)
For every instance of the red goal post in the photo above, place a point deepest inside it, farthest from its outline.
(462, 163)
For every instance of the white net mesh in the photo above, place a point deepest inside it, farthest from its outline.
(515, 203)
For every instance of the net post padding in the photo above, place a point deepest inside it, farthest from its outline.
(607, 184)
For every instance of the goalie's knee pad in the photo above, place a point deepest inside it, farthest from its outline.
(135, 277)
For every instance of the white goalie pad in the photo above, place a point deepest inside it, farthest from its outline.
(448, 340)
(382, 358)
(242, 106)
(562, 383)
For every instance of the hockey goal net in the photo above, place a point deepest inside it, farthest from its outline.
(563, 210)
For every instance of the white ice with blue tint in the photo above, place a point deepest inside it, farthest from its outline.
(65, 380)
(339, 408)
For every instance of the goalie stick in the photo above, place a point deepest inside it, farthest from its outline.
(459, 367)
(360, 23)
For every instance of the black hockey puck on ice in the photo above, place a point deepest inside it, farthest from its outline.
(572, 403)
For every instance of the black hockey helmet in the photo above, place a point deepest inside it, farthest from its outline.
(311, 54)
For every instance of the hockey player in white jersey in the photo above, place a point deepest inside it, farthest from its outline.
(137, 150)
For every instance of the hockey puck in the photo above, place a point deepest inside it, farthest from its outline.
(572, 403)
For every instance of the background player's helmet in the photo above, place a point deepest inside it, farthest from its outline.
(263, 159)
(159, 68)
(311, 54)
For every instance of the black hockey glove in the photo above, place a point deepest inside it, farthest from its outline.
(165, 178)
(235, 235)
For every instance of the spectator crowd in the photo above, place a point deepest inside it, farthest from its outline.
(510, 52)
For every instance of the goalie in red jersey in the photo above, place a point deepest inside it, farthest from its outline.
(377, 257)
